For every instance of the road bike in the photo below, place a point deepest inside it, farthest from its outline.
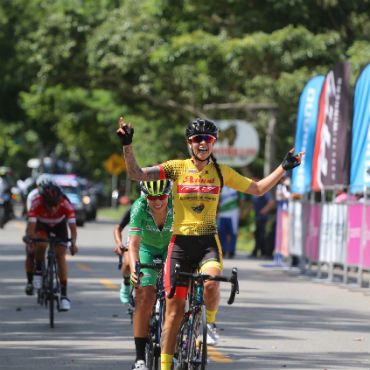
(49, 293)
(191, 342)
(153, 346)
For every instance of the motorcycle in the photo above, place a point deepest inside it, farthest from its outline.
(6, 207)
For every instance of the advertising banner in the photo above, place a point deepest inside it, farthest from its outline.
(333, 233)
(354, 233)
(366, 250)
(330, 160)
(312, 235)
(295, 228)
(360, 152)
(282, 229)
(305, 133)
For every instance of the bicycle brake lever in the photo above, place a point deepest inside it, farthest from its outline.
(234, 285)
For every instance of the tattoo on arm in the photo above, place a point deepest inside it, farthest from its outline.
(151, 173)
(135, 171)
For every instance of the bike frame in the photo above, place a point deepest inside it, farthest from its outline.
(190, 354)
(49, 293)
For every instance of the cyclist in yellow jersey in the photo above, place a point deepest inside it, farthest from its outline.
(197, 184)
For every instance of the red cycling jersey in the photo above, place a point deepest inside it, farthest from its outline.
(39, 213)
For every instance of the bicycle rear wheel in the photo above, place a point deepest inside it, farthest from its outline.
(198, 342)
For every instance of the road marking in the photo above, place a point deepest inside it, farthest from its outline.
(83, 267)
(109, 284)
(20, 225)
(217, 356)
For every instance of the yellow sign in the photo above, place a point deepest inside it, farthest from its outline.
(115, 164)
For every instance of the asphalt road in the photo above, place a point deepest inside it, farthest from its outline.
(280, 320)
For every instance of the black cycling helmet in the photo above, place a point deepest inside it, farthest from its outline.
(51, 193)
(159, 187)
(201, 127)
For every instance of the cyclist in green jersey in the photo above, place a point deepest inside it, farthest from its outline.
(149, 235)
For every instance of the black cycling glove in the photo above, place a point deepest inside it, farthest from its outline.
(125, 134)
(290, 161)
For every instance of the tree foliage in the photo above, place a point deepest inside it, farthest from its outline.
(71, 68)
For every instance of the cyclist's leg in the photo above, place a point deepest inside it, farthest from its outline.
(175, 306)
(29, 266)
(212, 264)
(145, 298)
(61, 232)
(125, 285)
(40, 248)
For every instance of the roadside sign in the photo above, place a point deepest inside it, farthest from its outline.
(115, 164)
(238, 143)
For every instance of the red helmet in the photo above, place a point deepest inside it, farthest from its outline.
(51, 193)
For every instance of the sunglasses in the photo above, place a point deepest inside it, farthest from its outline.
(155, 197)
(199, 138)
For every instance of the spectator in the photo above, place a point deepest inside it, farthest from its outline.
(262, 205)
(228, 219)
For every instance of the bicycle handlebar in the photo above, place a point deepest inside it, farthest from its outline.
(48, 240)
(233, 279)
(157, 265)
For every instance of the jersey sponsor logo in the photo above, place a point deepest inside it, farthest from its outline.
(193, 189)
(199, 208)
(198, 180)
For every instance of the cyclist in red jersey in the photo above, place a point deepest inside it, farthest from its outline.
(197, 183)
(51, 211)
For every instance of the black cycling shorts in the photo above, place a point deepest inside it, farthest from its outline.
(191, 253)
(60, 230)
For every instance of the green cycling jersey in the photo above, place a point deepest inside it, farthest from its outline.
(142, 223)
(154, 242)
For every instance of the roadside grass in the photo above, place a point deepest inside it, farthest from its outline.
(245, 242)
(114, 214)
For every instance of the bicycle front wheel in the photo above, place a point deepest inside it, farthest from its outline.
(182, 345)
(50, 293)
(198, 342)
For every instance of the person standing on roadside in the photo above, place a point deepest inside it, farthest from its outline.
(231, 206)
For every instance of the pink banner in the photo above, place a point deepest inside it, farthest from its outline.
(354, 233)
(282, 230)
(366, 251)
(312, 235)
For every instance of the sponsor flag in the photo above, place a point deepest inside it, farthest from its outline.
(330, 160)
(305, 133)
(360, 153)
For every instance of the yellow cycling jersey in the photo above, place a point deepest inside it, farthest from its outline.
(196, 194)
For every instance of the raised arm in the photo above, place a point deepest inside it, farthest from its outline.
(135, 171)
(262, 186)
(125, 134)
